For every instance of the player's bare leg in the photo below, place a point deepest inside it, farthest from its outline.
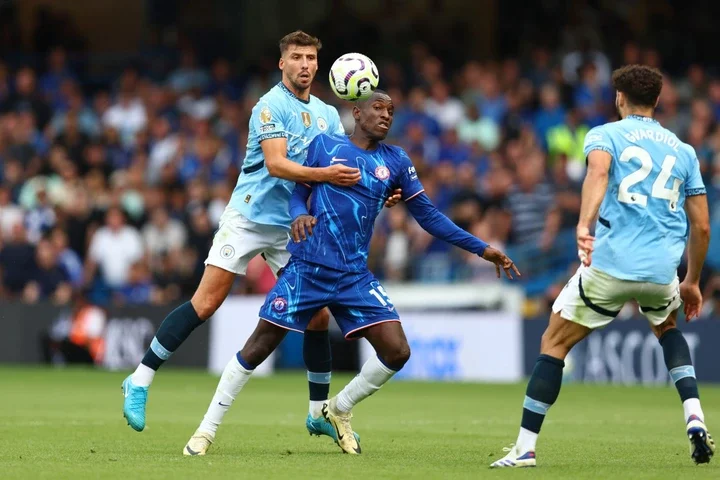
(175, 329)
(543, 387)
(682, 372)
(263, 341)
(393, 351)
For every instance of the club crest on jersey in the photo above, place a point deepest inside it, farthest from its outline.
(227, 251)
(279, 304)
(307, 121)
(265, 115)
(382, 172)
(322, 124)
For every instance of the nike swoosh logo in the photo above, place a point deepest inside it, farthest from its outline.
(190, 450)
(336, 159)
(223, 405)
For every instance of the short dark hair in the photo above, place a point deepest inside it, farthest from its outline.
(301, 39)
(640, 84)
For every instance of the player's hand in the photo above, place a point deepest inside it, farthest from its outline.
(501, 261)
(585, 246)
(300, 225)
(692, 298)
(342, 175)
(394, 198)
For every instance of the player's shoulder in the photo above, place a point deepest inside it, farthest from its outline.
(329, 139)
(394, 151)
(274, 97)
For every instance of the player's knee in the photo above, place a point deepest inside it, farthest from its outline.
(206, 305)
(397, 357)
(320, 321)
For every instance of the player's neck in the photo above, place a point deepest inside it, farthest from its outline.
(301, 94)
(363, 142)
(640, 112)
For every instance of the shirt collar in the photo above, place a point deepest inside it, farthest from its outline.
(642, 118)
(287, 90)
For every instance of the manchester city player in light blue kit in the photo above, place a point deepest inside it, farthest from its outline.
(256, 221)
(642, 185)
(328, 266)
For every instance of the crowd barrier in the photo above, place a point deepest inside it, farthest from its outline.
(461, 334)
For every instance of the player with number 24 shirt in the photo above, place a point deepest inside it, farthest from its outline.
(643, 185)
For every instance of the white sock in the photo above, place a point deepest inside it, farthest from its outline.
(372, 376)
(143, 376)
(233, 379)
(526, 441)
(691, 406)
(316, 408)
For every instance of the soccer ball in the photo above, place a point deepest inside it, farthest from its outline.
(353, 77)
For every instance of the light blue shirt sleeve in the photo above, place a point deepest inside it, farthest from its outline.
(597, 139)
(268, 120)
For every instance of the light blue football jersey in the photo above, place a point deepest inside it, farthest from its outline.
(642, 227)
(279, 114)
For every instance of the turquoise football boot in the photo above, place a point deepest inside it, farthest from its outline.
(320, 426)
(134, 405)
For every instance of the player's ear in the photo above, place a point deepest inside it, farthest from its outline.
(356, 112)
(281, 63)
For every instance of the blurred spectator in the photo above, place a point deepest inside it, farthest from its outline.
(585, 54)
(47, 280)
(114, 248)
(163, 235)
(481, 130)
(531, 203)
(551, 112)
(17, 259)
(446, 110)
(127, 116)
(493, 103)
(139, 289)
(57, 74)
(27, 98)
(10, 214)
(397, 250)
(568, 139)
(68, 259)
(188, 75)
(40, 217)
(592, 96)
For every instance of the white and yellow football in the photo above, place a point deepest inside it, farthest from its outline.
(353, 76)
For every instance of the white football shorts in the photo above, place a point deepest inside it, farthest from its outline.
(593, 298)
(239, 240)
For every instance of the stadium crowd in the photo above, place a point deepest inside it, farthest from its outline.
(116, 190)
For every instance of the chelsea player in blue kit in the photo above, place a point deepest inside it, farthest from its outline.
(329, 251)
(256, 221)
(642, 185)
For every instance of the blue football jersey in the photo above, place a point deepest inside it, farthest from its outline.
(642, 227)
(346, 215)
(278, 114)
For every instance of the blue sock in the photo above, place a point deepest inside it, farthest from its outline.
(173, 331)
(542, 391)
(679, 363)
(318, 360)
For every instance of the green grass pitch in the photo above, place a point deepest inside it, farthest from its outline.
(68, 424)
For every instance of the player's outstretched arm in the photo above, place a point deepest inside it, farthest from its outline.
(440, 226)
(593, 192)
(278, 165)
(697, 211)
